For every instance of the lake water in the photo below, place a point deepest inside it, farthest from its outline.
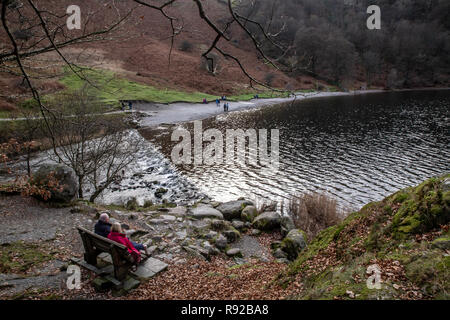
(357, 148)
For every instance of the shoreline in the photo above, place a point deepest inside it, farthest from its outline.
(159, 114)
(179, 112)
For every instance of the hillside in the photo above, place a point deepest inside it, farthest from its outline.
(406, 235)
(326, 43)
(409, 50)
(139, 52)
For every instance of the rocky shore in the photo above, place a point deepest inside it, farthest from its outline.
(250, 252)
(173, 234)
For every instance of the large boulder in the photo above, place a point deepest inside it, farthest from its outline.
(293, 243)
(267, 221)
(68, 182)
(233, 209)
(203, 212)
(232, 234)
(287, 224)
(249, 213)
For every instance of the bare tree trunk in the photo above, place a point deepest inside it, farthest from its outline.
(28, 162)
(80, 187)
(97, 192)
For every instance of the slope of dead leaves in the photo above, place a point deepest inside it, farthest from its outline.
(350, 245)
(215, 280)
(218, 279)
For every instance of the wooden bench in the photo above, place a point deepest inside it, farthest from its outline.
(95, 244)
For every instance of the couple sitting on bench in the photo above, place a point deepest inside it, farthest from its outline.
(115, 233)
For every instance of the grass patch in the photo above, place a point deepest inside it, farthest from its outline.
(5, 114)
(110, 88)
(19, 257)
(262, 95)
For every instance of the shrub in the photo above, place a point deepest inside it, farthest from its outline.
(313, 212)
(186, 46)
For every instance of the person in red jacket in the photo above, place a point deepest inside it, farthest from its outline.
(117, 235)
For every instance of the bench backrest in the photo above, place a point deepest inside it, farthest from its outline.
(102, 243)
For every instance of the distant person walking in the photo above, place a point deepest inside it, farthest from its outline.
(218, 102)
(130, 105)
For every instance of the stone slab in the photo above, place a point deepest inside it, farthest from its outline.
(150, 268)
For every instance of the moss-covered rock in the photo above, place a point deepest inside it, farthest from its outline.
(442, 243)
(422, 209)
(232, 234)
(430, 271)
(267, 221)
(233, 209)
(406, 234)
(249, 213)
(293, 243)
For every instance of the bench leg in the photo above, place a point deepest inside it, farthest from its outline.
(120, 272)
(90, 255)
(120, 267)
(91, 258)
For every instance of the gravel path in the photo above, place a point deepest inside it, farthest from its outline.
(25, 219)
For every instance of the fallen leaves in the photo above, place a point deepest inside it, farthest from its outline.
(215, 280)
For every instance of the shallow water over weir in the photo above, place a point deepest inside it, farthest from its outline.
(356, 148)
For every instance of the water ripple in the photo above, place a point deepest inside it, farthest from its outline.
(357, 148)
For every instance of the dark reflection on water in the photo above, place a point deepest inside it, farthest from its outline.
(357, 148)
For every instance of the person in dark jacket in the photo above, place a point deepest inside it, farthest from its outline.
(103, 227)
